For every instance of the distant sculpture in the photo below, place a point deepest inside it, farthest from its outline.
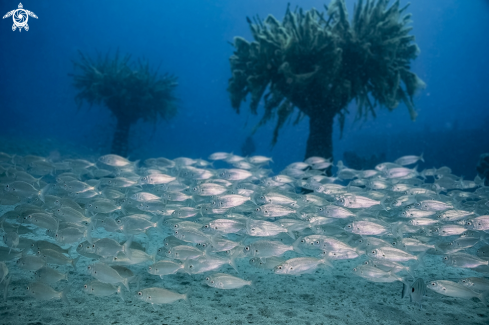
(354, 161)
(248, 147)
(483, 167)
(130, 91)
(320, 63)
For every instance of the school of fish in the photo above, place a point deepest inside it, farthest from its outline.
(184, 215)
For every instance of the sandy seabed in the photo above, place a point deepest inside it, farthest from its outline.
(329, 296)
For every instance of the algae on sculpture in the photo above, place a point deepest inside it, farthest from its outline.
(320, 63)
(131, 91)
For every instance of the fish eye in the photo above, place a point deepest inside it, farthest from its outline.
(85, 286)
(446, 258)
(247, 248)
(89, 267)
(280, 267)
(190, 266)
(354, 269)
(212, 281)
(207, 279)
(140, 293)
(374, 252)
(150, 268)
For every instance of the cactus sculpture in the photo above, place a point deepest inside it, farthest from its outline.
(319, 63)
(131, 91)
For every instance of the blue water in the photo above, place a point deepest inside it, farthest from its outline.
(191, 40)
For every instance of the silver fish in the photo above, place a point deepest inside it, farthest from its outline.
(266, 248)
(158, 296)
(114, 160)
(409, 160)
(225, 281)
(43, 291)
(49, 275)
(106, 274)
(101, 289)
(165, 267)
(301, 265)
(453, 289)
(464, 260)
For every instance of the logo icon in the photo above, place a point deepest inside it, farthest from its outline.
(20, 17)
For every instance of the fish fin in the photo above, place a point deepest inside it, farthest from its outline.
(421, 157)
(64, 294)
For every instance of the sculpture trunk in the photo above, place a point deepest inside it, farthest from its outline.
(320, 141)
(120, 142)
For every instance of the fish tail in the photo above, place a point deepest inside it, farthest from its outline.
(7, 282)
(126, 247)
(232, 260)
(186, 295)
(327, 263)
(296, 247)
(420, 259)
(405, 290)
(119, 292)
(291, 234)
(125, 282)
(88, 233)
(42, 193)
(64, 294)
(74, 261)
(484, 296)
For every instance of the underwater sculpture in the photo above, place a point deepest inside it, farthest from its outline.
(320, 64)
(248, 147)
(353, 160)
(130, 91)
(483, 167)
